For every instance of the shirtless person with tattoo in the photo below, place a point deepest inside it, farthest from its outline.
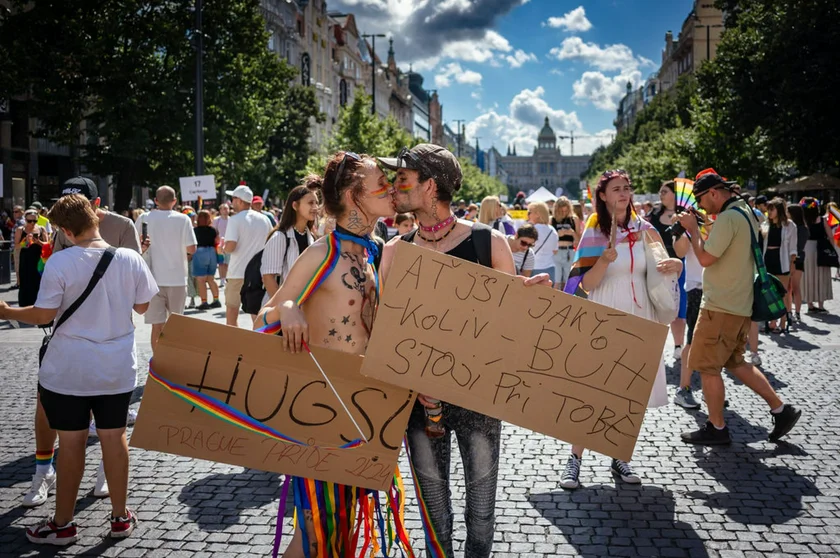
(339, 315)
(427, 178)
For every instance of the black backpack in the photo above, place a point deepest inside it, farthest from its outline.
(253, 290)
(481, 237)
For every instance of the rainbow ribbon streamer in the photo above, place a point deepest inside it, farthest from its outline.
(228, 414)
(46, 252)
(434, 548)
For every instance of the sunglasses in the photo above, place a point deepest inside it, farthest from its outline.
(340, 172)
(526, 244)
(32, 220)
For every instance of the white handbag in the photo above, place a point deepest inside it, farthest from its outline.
(663, 290)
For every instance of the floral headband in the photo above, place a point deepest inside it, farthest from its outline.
(809, 203)
(615, 173)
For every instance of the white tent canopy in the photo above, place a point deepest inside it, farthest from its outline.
(541, 195)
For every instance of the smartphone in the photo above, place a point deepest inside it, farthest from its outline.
(145, 232)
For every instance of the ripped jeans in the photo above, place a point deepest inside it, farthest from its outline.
(479, 437)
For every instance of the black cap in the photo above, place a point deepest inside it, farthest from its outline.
(432, 159)
(80, 185)
(709, 182)
(760, 200)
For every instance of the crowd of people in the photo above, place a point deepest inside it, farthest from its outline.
(150, 262)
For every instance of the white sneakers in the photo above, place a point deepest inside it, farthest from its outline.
(40, 490)
(678, 352)
(101, 488)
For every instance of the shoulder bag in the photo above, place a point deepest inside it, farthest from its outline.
(103, 264)
(826, 254)
(768, 291)
(663, 290)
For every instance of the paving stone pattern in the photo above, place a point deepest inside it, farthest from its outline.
(752, 499)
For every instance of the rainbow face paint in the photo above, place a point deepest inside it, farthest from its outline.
(381, 192)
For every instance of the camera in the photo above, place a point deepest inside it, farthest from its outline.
(677, 230)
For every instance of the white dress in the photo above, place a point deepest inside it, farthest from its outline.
(617, 291)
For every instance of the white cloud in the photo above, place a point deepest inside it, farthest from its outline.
(616, 57)
(476, 95)
(522, 122)
(453, 70)
(520, 57)
(603, 91)
(573, 21)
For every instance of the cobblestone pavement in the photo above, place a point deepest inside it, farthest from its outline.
(754, 498)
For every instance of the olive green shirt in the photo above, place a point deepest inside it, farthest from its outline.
(728, 283)
(116, 230)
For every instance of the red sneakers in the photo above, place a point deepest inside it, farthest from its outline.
(122, 527)
(47, 532)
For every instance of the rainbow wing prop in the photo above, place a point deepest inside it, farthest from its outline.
(684, 191)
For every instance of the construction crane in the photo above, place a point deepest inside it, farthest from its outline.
(572, 137)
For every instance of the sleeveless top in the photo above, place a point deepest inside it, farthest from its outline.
(816, 231)
(661, 228)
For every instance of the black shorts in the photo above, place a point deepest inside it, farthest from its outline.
(799, 264)
(72, 412)
(695, 297)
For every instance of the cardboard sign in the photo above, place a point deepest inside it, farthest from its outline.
(250, 372)
(531, 356)
(193, 187)
(518, 214)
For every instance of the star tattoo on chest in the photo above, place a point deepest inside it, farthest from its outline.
(333, 333)
(345, 320)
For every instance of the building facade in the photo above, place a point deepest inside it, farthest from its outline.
(697, 42)
(546, 166)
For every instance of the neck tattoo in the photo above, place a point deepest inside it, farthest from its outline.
(439, 226)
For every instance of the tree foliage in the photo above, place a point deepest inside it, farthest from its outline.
(115, 80)
(476, 185)
(757, 112)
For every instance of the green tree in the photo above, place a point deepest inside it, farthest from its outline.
(476, 185)
(774, 79)
(114, 80)
(359, 131)
(571, 189)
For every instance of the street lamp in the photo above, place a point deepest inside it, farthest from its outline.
(460, 124)
(429, 93)
(199, 91)
(372, 38)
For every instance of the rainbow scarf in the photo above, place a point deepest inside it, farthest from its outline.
(342, 514)
(327, 267)
(592, 244)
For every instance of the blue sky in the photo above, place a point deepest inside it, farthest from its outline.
(503, 65)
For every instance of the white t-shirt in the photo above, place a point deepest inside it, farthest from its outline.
(693, 272)
(545, 246)
(170, 233)
(524, 260)
(249, 230)
(93, 352)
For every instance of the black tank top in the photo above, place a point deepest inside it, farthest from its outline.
(662, 229)
(465, 250)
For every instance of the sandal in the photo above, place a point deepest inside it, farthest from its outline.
(776, 330)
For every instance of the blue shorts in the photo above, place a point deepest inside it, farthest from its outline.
(204, 262)
(683, 296)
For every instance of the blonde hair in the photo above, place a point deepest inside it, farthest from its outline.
(489, 210)
(561, 203)
(540, 209)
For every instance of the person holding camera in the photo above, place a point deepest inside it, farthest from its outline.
(723, 326)
(90, 364)
(663, 218)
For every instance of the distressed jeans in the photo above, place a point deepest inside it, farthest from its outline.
(479, 437)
